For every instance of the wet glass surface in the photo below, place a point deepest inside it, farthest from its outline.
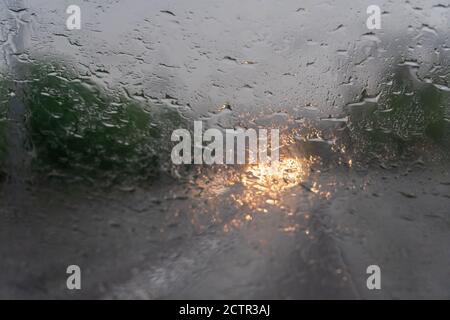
(86, 118)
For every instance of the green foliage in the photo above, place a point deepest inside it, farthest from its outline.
(78, 129)
(407, 111)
